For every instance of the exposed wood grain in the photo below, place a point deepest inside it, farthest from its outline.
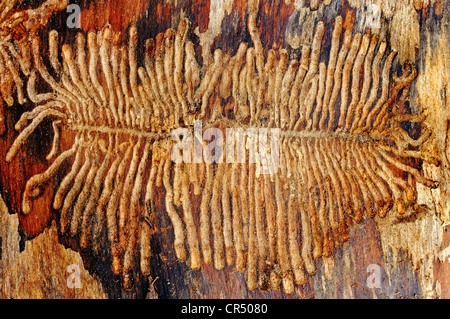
(413, 252)
(31, 272)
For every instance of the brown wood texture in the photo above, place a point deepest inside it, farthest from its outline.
(412, 252)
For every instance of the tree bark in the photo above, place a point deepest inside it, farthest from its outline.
(389, 257)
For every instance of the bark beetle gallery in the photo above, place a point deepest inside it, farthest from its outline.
(344, 154)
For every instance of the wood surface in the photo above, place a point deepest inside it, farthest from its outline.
(412, 251)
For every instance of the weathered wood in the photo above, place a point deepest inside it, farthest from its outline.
(411, 250)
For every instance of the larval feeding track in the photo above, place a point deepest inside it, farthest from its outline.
(343, 154)
(15, 57)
